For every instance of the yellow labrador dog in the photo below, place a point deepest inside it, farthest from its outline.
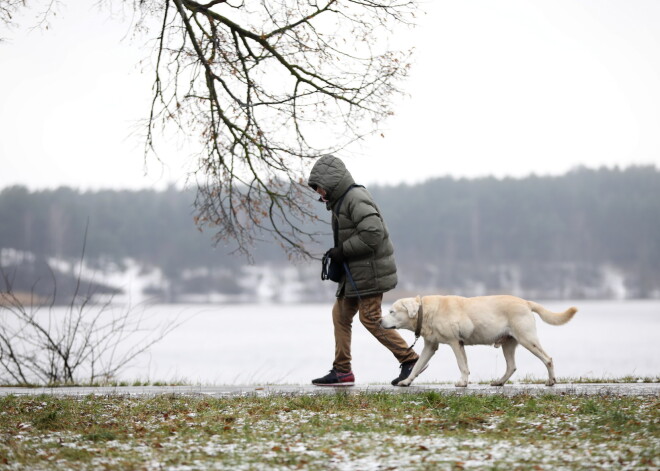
(484, 320)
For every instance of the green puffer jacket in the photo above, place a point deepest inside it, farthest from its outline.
(361, 231)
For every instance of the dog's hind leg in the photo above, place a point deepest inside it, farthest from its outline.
(461, 358)
(532, 344)
(509, 345)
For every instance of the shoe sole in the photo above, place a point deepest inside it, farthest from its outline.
(334, 385)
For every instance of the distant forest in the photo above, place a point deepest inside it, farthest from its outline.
(588, 233)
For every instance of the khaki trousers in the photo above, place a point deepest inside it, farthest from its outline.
(370, 314)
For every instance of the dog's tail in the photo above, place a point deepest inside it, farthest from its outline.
(552, 318)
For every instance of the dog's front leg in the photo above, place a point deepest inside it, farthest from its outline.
(424, 358)
(461, 358)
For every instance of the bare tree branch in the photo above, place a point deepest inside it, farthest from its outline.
(8, 9)
(264, 88)
(269, 88)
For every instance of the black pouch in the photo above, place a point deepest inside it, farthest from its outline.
(330, 269)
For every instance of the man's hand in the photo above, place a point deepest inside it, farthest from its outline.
(337, 254)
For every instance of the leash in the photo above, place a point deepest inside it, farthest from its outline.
(381, 331)
(418, 327)
(420, 311)
(346, 269)
(350, 278)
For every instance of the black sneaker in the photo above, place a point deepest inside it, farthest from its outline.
(406, 369)
(335, 378)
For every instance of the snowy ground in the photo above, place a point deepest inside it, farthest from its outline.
(429, 430)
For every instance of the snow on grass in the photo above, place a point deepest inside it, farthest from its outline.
(426, 431)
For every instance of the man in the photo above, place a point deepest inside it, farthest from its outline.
(362, 242)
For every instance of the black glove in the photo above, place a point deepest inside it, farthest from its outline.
(337, 254)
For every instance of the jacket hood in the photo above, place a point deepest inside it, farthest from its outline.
(330, 173)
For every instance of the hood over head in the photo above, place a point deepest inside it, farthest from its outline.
(330, 173)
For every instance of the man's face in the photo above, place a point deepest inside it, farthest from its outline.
(321, 192)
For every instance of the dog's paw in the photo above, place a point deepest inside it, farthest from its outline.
(551, 382)
(404, 383)
(497, 383)
(461, 384)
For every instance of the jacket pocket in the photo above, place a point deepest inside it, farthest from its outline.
(364, 275)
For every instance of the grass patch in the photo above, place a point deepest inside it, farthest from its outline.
(370, 430)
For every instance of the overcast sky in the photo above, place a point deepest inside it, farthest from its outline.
(504, 88)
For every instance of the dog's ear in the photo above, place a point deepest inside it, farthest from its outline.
(412, 306)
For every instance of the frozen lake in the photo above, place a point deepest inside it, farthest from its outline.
(291, 344)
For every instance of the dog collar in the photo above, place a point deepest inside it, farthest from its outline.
(420, 319)
(418, 328)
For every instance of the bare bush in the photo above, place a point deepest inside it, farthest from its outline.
(82, 342)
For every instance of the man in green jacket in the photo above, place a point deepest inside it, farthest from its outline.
(363, 243)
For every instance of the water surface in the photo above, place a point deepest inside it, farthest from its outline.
(253, 343)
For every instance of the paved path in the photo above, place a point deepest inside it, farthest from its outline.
(621, 389)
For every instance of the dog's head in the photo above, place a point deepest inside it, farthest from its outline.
(403, 314)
